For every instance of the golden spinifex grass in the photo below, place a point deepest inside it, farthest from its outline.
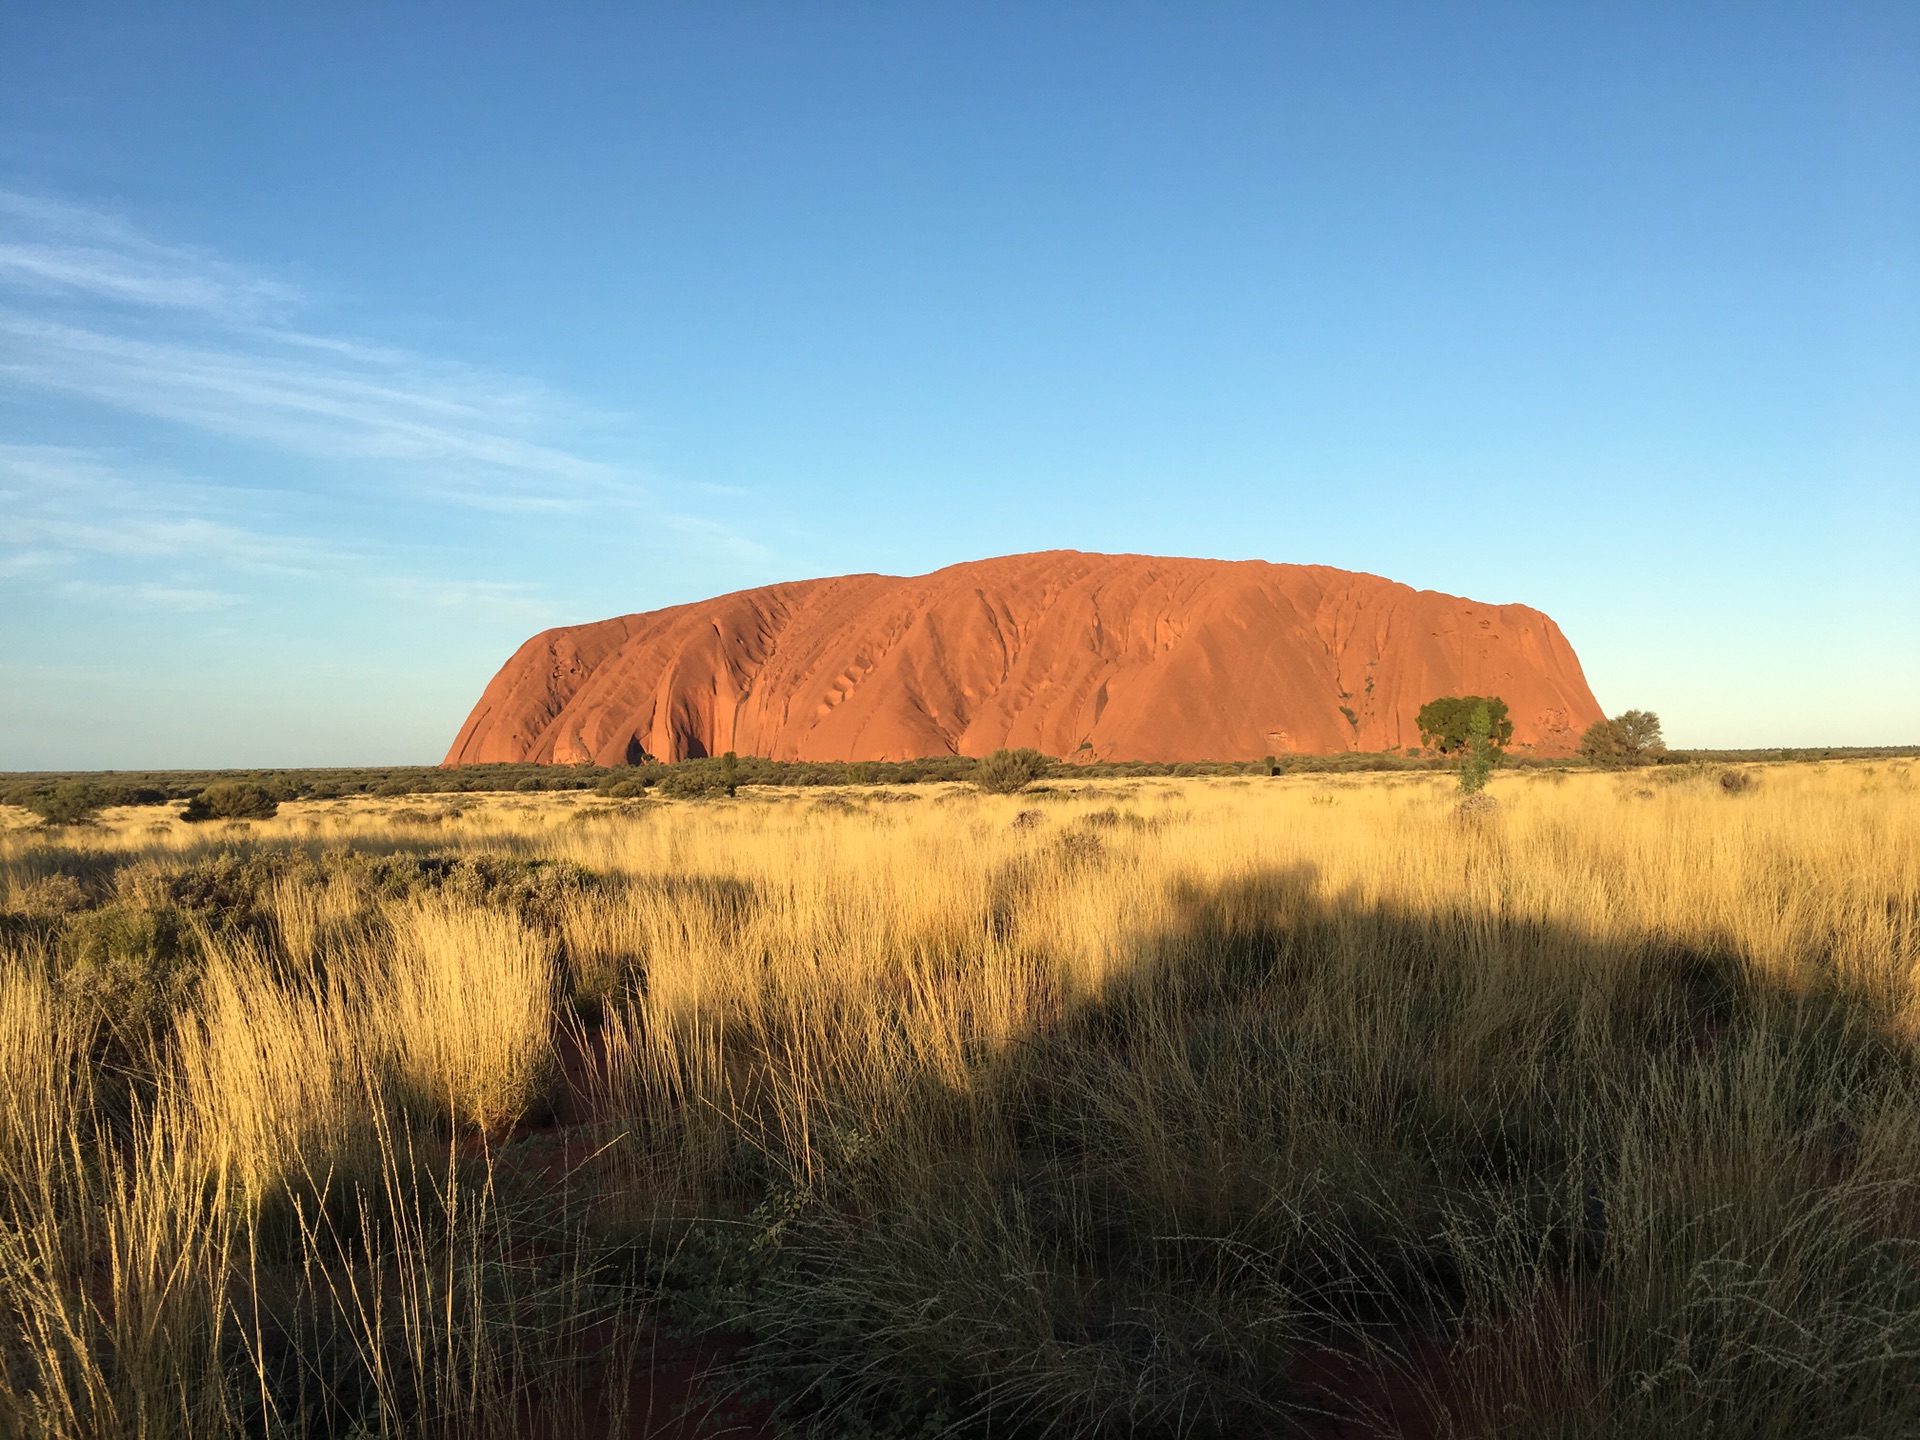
(1157, 1107)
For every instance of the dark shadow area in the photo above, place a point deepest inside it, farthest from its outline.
(1287, 1172)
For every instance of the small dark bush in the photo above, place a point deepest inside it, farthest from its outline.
(690, 784)
(627, 789)
(691, 779)
(53, 897)
(1006, 772)
(131, 968)
(232, 800)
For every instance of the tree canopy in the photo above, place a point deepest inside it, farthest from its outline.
(1446, 724)
(1629, 738)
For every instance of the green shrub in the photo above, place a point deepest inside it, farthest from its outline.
(52, 897)
(1482, 754)
(691, 779)
(1006, 772)
(232, 800)
(75, 801)
(225, 892)
(130, 968)
(71, 802)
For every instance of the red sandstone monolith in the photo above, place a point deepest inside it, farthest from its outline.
(1108, 657)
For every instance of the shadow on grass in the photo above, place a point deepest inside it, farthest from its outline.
(1315, 1166)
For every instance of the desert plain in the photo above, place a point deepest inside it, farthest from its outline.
(1293, 1105)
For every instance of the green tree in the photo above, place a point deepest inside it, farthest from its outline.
(1446, 723)
(1006, 771)
(1630, 738)
(1641, 731)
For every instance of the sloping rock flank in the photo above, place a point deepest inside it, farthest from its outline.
(1109, 657)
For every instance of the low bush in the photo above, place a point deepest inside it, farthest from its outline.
(691, 779)
(1007, 772)
(232, 800)
(72, 802)
(52, 897)
(76, 801)
(129, 969)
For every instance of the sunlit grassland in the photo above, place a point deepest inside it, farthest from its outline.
(1126, 1107)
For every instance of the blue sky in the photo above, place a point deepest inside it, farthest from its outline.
(343, 348)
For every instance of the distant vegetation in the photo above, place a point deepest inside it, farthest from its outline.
(61, 801)
(1125, 1106)
(66, 798)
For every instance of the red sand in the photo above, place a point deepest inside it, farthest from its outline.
(1108, 657)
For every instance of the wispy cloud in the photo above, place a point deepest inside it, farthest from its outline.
(434, 427)
(166, 597)
(83, 525)
(59, 504)
(91, 309)
(55, 248)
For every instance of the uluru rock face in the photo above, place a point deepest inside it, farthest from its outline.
(1109, 657)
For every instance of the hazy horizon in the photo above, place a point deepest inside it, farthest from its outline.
(342, 351)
